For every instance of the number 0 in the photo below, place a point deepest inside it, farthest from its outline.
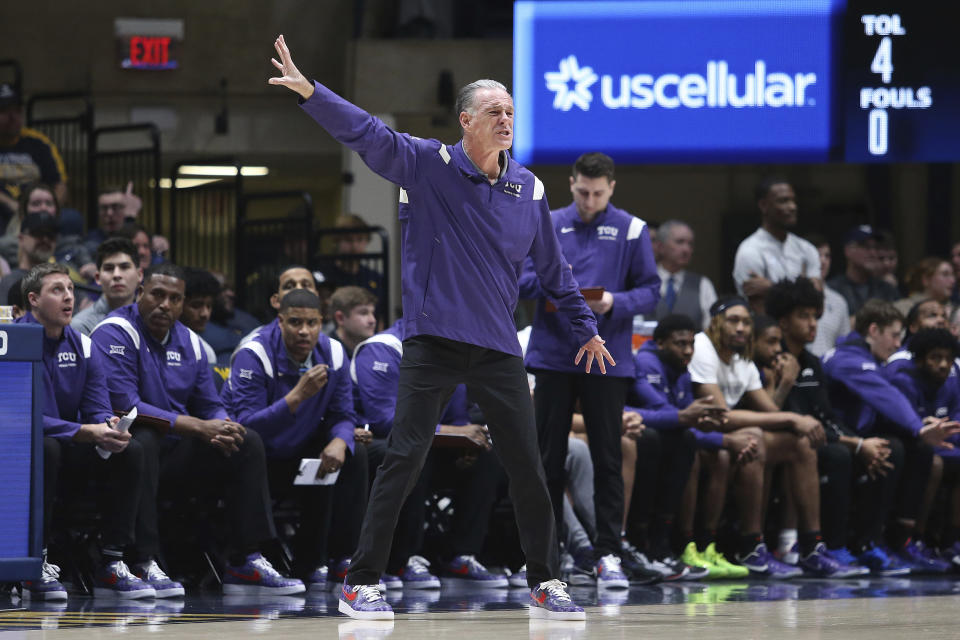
(877, 136)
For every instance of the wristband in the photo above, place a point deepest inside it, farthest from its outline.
(859, 446)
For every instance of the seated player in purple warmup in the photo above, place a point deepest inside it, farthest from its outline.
(290, 384)
(156, 364)
(77, 417)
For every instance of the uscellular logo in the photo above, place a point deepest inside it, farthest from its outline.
(719, 87)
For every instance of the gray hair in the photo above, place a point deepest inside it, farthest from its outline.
(465, 99)
(665, 230)
(33, 281)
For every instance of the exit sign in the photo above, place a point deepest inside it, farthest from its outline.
(147, 43)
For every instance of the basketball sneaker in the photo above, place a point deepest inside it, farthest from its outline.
(549, 600)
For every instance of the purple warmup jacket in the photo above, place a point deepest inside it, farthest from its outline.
(612, 252)
(927, 400)
(375, 370)
(463, 239)
(659, 392)
(859, 390)
(160, 380)
(262, 375)
(74, 386)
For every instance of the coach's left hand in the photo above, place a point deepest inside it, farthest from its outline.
(595, 350)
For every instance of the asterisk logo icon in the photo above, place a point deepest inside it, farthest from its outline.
(559, 82)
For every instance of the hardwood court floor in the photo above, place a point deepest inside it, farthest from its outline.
(888, 609)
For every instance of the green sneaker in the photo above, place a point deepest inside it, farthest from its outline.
(694, 558)
(730, 570)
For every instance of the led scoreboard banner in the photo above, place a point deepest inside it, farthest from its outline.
(734, 81)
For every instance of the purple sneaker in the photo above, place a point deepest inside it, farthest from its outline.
(115, 579)
(609, 573)
(318, 578)
(469, 568)
(761, 562)
(819, 563)
(518, 578)
(153, 575)
(48, 587)
(416, 575)
(257, 576)
(364, 602)
(549, 600)
(951, 554)
(921, 560)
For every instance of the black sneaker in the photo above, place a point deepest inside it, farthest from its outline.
(637, 566)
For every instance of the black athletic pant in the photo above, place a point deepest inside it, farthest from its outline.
(311, 541)
(875, 497)
(601, 401)
(835, 468)
(664, 459)
(917, 462)
(430, 370)
(120, 474)
(185, 467)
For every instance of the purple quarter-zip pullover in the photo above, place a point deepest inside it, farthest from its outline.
(463, 239)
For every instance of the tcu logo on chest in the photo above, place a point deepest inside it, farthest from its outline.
(607, 232)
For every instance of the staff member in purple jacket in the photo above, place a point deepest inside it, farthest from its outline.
(606, 247)
(469, 217)
(291, 385)
(156, 364)
(76, 416)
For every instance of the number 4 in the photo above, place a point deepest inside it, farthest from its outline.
(883, 60)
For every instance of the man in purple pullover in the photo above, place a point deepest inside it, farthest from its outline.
(290, 383)
(608, 248)
(469, 216)
(157, 364)
(77, 416)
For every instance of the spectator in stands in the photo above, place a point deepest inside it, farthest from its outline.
(834, 323)
(954, 322)
(137, 234)
(227, 314)
(925, 314)
(926, 376)
(353, 271)
(859, 282)
(795, 306)
(929, 278)
(36, 244)
(200, 293)
(866, 401)
(291, 278)
(722, 368)
(77, 418)
(119, 278)
(26, 156)
(663, 395)
(353, 310)
(607, 248)
(157, 365)
(115, 206)
(773, 252)
(291, 385)
(375, 371)
(681, 291)
(887, 258)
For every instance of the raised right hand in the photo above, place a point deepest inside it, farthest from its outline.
(312, 381)
(292, 78)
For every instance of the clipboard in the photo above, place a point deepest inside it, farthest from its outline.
(588, 293)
